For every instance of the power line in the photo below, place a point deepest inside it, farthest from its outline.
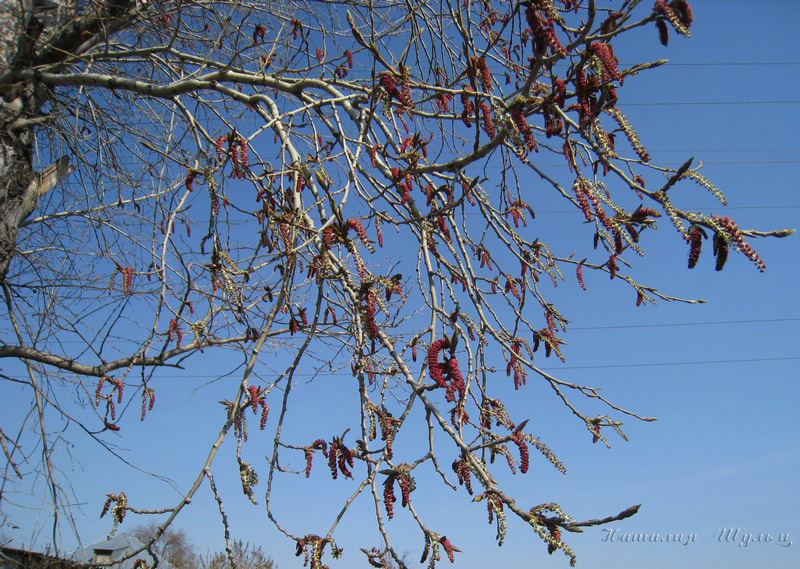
(660, 163)
(622, 326)
(661, 364)
(737, 162)
(730, 63)
(689, 150)
(558, 368)
(693, 103)
(706, 64)
(707, 323)
(707, 208)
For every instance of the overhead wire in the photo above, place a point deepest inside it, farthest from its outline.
(673, 324)
(562, 368)
(683, 363)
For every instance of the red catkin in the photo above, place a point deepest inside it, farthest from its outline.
(448, 548)
(605, 54)
(663, 32)
(469, 108)
(695, 243)
(524, 456)
(735, 234)
(488, 124)
(388, 496)
(486, 74)
(612, 266)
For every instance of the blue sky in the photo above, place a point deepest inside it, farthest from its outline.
(720, 376)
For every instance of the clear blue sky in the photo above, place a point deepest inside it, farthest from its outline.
(721, 377)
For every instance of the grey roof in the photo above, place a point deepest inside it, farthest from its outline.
(12, 558)
(120, 546)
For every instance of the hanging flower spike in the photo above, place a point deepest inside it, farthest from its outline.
(663, 32)
(449, 548)
(406, 487)
(220, 146)
(684, 12)
(345, 460)
(486, 74)
(264, 414)
(174, 331)
(379, 231)
(297, 26)
(559, 92)
(388, 496)
(127, 280)
(543, 29)
(242, 143)
(443, 100)
(469, 108)
(147, 393)
(630, 134)
(253, 392)
(521, 124)
(735, 234)
(333, 449)
(524, 456)
(409, 180)
(605, 54)
(405, 94)
(610, 23)
(249, 478)
(579, 188)
(720, 250)
(661, 7)
(309, 454)
(464, 474)
(488, 124)
(612, 266)
(259, 32)
(356, 224)
(369, 315)
(189, 181)
(434, 369)
(441, 222)
(695, 242)
(387, 82)
(456, 383)
(555, 533)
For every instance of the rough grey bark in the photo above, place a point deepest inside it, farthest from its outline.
(17, 101)
(36, 36)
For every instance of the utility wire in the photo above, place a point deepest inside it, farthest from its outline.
(623, 326)
(707, 323)
(556, 368)
(693, 103)
(730, 63)
(705, 63)
(661, 364)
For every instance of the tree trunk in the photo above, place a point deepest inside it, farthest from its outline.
(39, 35)
(21, 25)
(17, 102)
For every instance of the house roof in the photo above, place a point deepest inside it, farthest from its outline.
(120, 546)
(12, 558)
